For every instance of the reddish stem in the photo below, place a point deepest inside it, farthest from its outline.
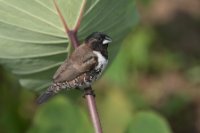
(61, 17)
(78, 21)
(93, 110)
(73, 38)
(72, 35)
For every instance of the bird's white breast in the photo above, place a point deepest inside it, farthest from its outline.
(102, 61)
(96, 73)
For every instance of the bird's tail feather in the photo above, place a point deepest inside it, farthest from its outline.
(52, 90)
(45, 96)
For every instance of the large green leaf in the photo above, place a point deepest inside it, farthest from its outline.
(33, 41)
(60, 116)
(148, 122)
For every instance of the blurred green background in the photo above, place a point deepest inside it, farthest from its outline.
(153, 86)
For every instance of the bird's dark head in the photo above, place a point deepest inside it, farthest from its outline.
(98, 41)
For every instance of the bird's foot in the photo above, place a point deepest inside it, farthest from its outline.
(88, 91)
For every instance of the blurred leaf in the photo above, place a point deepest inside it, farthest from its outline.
(148, 122)
(194, 74)
(33, 41)
(118, 67)
(137, 99)
(145, 2)
(133, 56)
(166, 60)
(10, 94)
(115, 111)
(175, 104)
(60, 116)
(138, 45)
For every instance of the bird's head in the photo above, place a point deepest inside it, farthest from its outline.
(98, 41)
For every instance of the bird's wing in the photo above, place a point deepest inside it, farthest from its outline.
(62, 68)
(72, 69)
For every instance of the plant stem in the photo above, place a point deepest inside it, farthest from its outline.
(73, 38)
(89, 94)
(78, 21)
(93, 110)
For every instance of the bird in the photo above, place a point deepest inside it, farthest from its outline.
(84, 66)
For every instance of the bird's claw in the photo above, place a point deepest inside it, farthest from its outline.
(88, 92)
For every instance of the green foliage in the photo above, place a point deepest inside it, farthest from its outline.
(12, 120)
(33, 41)
(33, 44)
(115, 110)
(175, 104)
(133, 56)
(60, 116)
(194, 74)
(148, 122)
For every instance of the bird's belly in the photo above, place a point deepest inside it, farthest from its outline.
(86, 79)
(83, 81)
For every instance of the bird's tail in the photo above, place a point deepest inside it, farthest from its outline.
(52, 90)
(46, 95)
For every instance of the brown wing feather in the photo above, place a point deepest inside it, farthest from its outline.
(65, 72)
(60, 69)
(79, 63)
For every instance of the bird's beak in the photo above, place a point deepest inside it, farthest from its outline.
(107, 40)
